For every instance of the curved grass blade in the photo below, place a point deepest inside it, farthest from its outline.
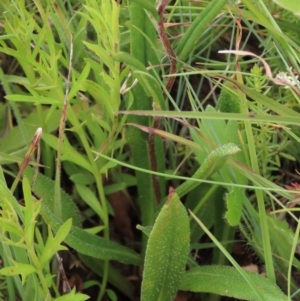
(187, 43)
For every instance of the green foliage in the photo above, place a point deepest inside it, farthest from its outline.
(166, 252)
(78, 239)
(289, 5)
(234, 203)
(228, 101)
(257, 80)
(227, 281)
(227, 160)
(72, 296)
(212, 163)
(18, 238)
(194, 32)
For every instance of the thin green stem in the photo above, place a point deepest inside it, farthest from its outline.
(39, 270)
(61, 132)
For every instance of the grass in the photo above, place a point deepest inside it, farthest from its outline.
(131, 99)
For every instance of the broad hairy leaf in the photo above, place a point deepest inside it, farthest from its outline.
(166, 252)
(227, 281)
(228, 101)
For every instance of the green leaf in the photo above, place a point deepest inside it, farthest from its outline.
(11, 226)
(90, 199)
(112, 295)
(78, 85)
(43, 187)
(83, 178)
(146, 230)
(33, 99)
(227, 281)
(22, 269)
(148, 5)
(228, 101)
(282, 241)
(90, 244)
(213, 162)
(72, 296)
(291, 5)
(31, 210)
(166, 252)
(190, 38)
(11, 212)
(2, 178)
(15, 140)
(53, 244)
(78, 239)
(234, 202)
(69, 153)
(219, 132)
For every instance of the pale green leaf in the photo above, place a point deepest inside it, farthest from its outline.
(72, 296)
(291, 5)
(69, 153)
(22, 269)
(53, 243)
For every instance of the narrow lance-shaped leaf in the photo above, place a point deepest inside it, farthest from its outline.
(166, 252)
(53, 243)
(18, 268)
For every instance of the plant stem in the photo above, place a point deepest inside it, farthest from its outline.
(62, 124)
